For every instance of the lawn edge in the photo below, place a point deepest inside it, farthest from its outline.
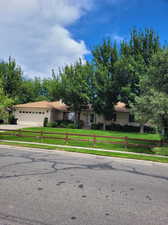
(92, 152)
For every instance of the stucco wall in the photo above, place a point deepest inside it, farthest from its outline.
(122, 118)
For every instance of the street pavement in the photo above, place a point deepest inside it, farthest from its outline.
(41, 187)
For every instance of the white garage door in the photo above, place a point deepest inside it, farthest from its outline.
(30, 117)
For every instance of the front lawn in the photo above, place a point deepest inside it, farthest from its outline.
(89, 143)
(97, 132)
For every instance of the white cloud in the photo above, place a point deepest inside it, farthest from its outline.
(35, 33)
(117, 37)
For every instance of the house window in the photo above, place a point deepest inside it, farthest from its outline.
(20, 111)
(114, 117)
(131, 118)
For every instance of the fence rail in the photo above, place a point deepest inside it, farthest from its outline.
(91, 138)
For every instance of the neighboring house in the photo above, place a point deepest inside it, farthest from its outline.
(121, 116)
(35, 113)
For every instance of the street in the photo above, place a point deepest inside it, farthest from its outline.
(41, 187)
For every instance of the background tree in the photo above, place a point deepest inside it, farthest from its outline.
(5, 102)
(11, 76)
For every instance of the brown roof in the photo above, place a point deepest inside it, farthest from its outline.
(59, 105)
(45, 105)
(121, 107)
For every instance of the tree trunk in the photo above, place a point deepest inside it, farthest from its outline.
(141, 128)
(77, 119)
(104, 124)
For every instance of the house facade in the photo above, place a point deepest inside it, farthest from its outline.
(36, 112)
(122, 116)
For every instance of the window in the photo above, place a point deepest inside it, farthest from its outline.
(114, 117)
(20, 111)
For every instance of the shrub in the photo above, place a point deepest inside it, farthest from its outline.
(45, 122)
(12, 119)
(1, 121)
(52, 124)
(71, 126)
(97, 126)
(127, 128)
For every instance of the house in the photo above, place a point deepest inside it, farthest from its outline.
(121, 116)
(35, 113)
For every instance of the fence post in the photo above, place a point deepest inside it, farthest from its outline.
(126, 142)
(66, 138)
(94, 140)
(41, 135)
(19, 133)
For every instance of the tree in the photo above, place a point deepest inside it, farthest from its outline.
(141, 110)
(105, 91)
(128, 73)
(75, 90)
(153, 102)
(52, 87)
(11, 77)
(143, 43)
(5, 102)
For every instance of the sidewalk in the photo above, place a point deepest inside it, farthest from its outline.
(86, 148)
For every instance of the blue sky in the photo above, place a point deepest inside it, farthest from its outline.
(43, 35)
(115, 19)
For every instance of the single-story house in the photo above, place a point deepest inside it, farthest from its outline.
(35, 113)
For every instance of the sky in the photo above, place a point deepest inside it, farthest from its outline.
(42, 35)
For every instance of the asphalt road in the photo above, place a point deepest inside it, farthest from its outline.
(60, 188)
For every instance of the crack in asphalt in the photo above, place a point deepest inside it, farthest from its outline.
(68, 166)
(21, 220)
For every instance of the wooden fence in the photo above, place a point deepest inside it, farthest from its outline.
(94, 139)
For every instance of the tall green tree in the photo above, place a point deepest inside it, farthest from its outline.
(5, 102)
(104, 81)
(11, 76)
(75, 90)
(153, 102)
(142, 42)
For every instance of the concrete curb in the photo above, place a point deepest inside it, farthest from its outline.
(86, 148)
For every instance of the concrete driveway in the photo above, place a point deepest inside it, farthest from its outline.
(15, 127)
(41, 187)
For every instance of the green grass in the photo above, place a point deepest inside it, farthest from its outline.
(161, 151)
(89, 143)
(97, 132)
(100, 153)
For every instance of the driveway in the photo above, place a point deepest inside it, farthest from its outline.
(15, 127)
(41, 187)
